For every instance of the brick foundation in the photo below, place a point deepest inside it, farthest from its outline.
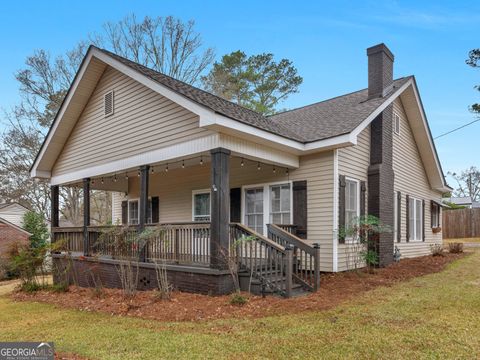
(87, 272)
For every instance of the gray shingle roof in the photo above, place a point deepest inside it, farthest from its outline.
(318, 121)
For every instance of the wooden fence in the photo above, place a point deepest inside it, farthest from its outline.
(461, 223)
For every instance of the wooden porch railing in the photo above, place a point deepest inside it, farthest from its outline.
(180, 243)
(306, 258)
(269, 262)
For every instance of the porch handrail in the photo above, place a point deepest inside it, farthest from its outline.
(306, 257)
(266, 260)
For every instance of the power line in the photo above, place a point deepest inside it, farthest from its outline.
(461, 127)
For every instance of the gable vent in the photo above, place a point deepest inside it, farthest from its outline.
(108, 103)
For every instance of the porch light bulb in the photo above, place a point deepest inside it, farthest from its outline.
(93, 181)
(102, 180)
(166, 168)
(183, 164)
(153, 170)
(138, 173)
(258, 166)
(242, 163)
(126, 176)
(115, 178)
(274, 169)
(287, 172)
(201, 160)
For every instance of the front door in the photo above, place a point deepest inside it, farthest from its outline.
(254, 213)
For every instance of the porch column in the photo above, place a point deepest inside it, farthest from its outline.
(143, 205)
(54, 206)
(86, 214)
(220, 212)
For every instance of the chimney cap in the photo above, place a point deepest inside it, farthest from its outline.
(380, 48)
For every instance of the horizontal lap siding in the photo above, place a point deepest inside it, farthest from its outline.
(13, 214)
(174, 190)
(353, 162)
(411, 179)
(143, 120)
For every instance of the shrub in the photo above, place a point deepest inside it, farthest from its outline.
(455, 248)
(35, 224)
(59, 288)
(436, 250)
(238, 299)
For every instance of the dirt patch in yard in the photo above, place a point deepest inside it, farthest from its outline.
(335, 289)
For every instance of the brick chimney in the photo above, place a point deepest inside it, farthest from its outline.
(380, 171)
(380, 70)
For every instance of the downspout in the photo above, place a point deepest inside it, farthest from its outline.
(335, 210)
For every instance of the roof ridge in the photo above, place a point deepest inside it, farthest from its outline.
(329, 99)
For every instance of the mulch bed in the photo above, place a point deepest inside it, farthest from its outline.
(335, 288)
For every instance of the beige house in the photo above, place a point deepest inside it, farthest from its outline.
(175, 155)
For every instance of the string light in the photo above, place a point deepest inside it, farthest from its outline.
(201, 160)
(93, 181)
(183, 164)
(259, 167)
(126, 176)
(274, 170)
(166, 168)
(287, 172)
(152, 170)
(102, 181)
(115, 178)
(242, 163)
(138, 173)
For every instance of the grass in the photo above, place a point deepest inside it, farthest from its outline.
(434, 316)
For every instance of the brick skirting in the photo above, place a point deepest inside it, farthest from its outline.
(89, 272)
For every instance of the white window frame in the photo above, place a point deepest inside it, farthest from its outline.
(357, 183)
(266, 201)
(395, 215)
(199, 192)
(413, 232)
(396, 121)
(149, 218)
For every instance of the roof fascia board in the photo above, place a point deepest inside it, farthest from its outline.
(6, 222)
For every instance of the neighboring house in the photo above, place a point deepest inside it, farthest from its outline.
(11, 223)
(13, 212)
(462, 201)
(11, 234)
(181, 156)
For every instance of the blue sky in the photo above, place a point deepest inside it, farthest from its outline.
(326, 42)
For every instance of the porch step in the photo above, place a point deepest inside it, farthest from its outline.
(255, 285)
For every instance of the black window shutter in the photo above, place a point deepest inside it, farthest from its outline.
(299, 195)
(407, 202)
(341, 208)
(399, 216)
(423, 220)
(155, 210)
(363, 191)
(125, 212)
(235, 205)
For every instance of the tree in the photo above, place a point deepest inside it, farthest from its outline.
(166, 44)
(468, 183)
(257, 82)
(473, 61)
(35, 224)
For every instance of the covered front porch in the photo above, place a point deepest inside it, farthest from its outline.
(204, 205)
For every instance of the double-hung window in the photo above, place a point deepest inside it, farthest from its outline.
(280, 204)
(415, 218)
(134, 212)
(201, 206)
(435, 215)
(352, 202)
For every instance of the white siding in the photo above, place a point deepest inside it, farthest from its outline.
(14, 214)
(411, 179)
(142, 121)
(353, 162)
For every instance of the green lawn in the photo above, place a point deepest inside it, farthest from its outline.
(436, 316)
